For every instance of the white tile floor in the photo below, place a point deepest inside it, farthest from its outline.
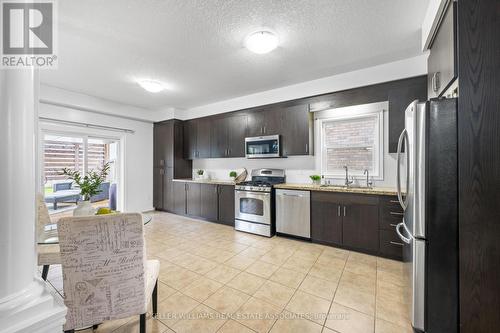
(215, 279)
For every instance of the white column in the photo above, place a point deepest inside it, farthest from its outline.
(27, 303)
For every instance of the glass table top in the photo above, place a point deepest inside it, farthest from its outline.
(50, 236)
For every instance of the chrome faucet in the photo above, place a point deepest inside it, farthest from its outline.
(347, 181)
(368, 182)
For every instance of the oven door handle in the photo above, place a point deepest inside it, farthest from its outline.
(250, 194)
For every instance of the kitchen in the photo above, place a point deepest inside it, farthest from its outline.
(331, 169)
(298, 166)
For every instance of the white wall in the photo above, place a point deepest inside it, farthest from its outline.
(137, 148)
(382, 73)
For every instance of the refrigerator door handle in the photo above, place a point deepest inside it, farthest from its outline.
(403, 136)
(403, 238)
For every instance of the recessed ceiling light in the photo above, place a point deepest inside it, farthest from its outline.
(261, 42)
(151, 85)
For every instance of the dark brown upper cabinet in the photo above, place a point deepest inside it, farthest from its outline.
(265, 122)
(297, 133)
(190, 132)
(399, 98)
(228, 136)
(197, 138)
(442, 63)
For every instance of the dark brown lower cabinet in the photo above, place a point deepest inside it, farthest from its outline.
(326, 222)
(179, 197)
(193, 196)
(208, 201)
(158, 188)
(226, 204)
(360, 222)
(357, 221)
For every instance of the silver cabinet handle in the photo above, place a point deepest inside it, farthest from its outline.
(344, 210)
(307, 148)
(396, 213)
(394, 201)
(338, 210)
(396, 243)
(403, 238)
(264, 129)
(162, 162)
(393, 225)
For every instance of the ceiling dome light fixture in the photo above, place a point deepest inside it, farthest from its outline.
(261, 42)
(151, 85)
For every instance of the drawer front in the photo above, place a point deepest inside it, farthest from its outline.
(390, 213)
(390, 244)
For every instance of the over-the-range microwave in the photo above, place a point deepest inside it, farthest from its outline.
(262, 146)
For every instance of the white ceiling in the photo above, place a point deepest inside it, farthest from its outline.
(196, 47)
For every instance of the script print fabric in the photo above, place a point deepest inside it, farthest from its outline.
(103, 263)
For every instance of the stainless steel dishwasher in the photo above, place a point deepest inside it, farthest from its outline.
(293, 210)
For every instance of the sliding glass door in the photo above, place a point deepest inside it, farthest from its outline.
(82, 153)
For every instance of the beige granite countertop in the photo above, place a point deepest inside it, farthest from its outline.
(340, 189)
(205, 181)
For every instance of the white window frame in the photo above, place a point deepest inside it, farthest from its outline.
(353, 112)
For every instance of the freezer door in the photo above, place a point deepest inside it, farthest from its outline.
(414, 267)
(418, 284)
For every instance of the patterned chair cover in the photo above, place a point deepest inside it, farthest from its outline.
(105, 272)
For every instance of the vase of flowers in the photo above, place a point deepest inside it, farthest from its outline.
(89, 186)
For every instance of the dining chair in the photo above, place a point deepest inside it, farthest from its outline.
(106, 275)
(48, 254)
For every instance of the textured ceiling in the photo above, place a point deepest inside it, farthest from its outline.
(196, 47)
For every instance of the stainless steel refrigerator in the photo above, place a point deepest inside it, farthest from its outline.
(427, 190)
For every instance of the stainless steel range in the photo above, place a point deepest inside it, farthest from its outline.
(254, 202)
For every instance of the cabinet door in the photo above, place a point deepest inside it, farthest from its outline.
(162, 144)
(209, 202)
(219, 137)
(226, 204)
(179, 197)
(360, 222)
(442, 62)
(273, 121)
(399, 99)
(190, 133)
(193, 198)
(158, 188)
(295, 137)
(256, 120)
(168, 190)
(236, 133)
(326, 220)
(203, 138)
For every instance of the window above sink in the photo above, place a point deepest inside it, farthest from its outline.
(352, 136)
